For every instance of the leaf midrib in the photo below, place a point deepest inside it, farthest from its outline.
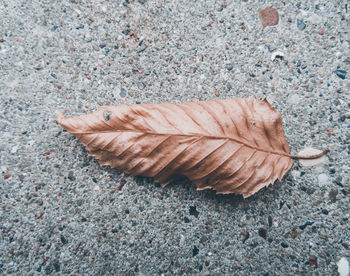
(188, 135)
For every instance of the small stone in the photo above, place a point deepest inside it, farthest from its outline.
(294, 99)
(323, 179)
(262, 233)
(186, 220)
(7, 176)
(333, 195)
(126, 32)
(193, 211)
(269, 16)
(141, 85)
(284, 245)
(343, 267)
(332, 171)
(71, 176)
(341, 74)
(122, 92)
(195, 251)
(342, 118)
(277, 55)
(293, 234)
(296, 174)
(301, 25)
(313, 261)
(303, 226)
(142, 1)
(245, 236)
(106, 116)
(63, 240)
(325, 211)
(217, 94)
(14, 149)
(321, 32)
(39, 215)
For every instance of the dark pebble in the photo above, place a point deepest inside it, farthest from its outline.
(332, 171)
(63, 239)
(71, 176)
(338, 181)
(122, 92)
(262, 233)
(195, 251)
(301, 25)
(193, 211)
(341, 74)
(325, 211)
(303, 226)
(342, 118)
(102, 46)
(126, 32)
(313, 261)
(229, 86)
(269, 221)
(186, 220)
(56, 265)
(245, 236)
(284, 245)
(333, 195)
(229, 67)
(127, 211)
(142, 1)
(80, 27)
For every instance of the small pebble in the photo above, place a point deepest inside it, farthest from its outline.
(323, 179)
(313, 261)
(325, 211)
(141, 85)
(301, 25)
(126, 32)
(294, 99)
(332, 171)
(122, 92)
(14, 149)
(321, 32)
(71, 176)
(343, 267)
(269, 16)
(341, 74)
(277, 55)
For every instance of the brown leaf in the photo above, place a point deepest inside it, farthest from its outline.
(232, 146)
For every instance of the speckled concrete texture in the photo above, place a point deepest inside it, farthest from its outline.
(61, 213)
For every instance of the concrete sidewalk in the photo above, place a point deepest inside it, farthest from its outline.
(61, 213)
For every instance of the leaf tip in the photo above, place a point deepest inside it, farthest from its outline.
(59, 116)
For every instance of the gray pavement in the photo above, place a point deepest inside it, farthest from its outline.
(61, 213)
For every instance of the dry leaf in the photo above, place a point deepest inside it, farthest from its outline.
(231, 146)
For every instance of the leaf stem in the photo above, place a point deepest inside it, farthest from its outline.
(310, 156)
